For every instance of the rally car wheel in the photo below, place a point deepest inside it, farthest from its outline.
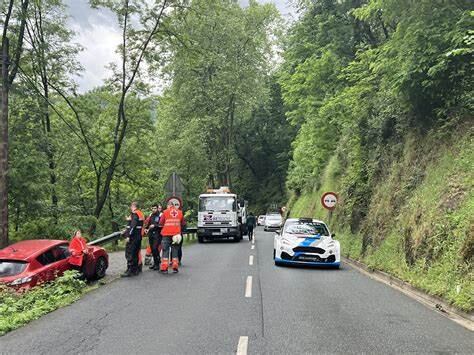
(277, 263)
(100, 268)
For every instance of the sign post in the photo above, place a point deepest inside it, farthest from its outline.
(174, 186)
(329, 201)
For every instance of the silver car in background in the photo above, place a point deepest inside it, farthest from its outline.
(273, 222)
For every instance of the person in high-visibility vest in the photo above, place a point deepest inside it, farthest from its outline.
(172, 221)
(133, 236)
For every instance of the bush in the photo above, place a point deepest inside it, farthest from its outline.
(19, 308)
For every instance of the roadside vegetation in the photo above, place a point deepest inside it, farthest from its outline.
(77, 159)
(17, 309)
(381, 92)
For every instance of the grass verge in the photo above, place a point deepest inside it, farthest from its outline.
(18, 309)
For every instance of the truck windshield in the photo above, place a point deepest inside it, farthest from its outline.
(217, 204)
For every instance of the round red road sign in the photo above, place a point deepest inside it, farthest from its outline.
(329, 200)
(176, 201)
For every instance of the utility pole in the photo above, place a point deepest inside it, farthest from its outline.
(4, 146)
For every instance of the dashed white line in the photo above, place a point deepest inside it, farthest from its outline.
(252, 247)
(248, 287)
(242, 346)
(251, 260)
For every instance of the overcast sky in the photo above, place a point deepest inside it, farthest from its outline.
(97, 31)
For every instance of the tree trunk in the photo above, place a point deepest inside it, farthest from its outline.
(17, 218)
(49, 149)
(4, 148)
(50, 152)
(122, 122)
(113, 163)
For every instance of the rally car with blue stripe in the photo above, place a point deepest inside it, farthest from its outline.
(306, 241)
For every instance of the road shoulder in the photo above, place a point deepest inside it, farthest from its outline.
(434, 303)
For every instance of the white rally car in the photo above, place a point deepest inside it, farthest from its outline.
(306, 241)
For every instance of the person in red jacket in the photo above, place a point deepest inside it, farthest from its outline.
(172, 221)
(78, 249)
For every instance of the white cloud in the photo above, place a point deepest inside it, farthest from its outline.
(99, 38)
(100, 43)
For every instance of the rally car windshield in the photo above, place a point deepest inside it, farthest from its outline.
(217, 204)
(306, 228)
(11, 267)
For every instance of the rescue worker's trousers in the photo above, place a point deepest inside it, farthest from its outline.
(250, 231)
(132, 248)
(180, 250)
(166, 243)
(155, 242)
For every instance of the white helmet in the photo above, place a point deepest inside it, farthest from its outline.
(177, 239)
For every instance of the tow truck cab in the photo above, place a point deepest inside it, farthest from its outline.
(221, 215)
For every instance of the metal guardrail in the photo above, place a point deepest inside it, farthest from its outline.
(118, 235)
(106, 239)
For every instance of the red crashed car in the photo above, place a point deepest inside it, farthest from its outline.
(27, 263)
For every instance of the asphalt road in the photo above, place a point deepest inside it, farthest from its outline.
(204, 310)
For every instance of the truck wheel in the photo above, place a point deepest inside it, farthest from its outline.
(200, 239)
(237, 238)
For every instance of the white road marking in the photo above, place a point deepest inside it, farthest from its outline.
(248, 287)
(253, 240)
(251, 260)
(242, 346)
(252, 247)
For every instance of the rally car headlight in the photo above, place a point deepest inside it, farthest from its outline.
(21, 281)
(285, 245)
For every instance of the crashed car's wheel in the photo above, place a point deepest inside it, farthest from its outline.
(100, 268)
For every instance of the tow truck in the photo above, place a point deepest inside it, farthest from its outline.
(221, 215)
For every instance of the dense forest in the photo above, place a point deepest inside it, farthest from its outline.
(370, 98)
(76, 160)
